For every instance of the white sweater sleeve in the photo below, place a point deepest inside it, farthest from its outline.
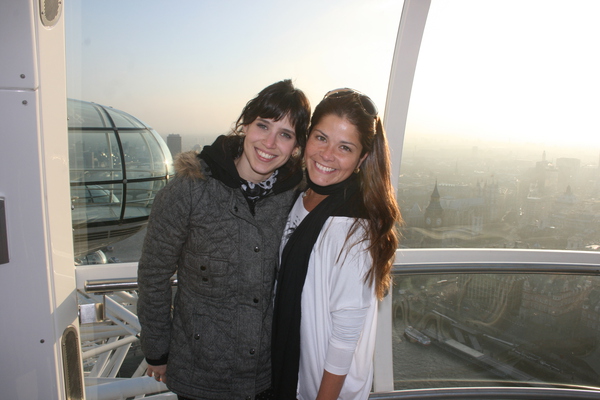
(349, 296)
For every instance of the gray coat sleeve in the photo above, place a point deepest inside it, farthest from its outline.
(165, 238)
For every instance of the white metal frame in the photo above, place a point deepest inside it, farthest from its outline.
(410, 32)
(37, 285)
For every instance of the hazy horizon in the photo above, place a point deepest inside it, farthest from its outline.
(189, 69)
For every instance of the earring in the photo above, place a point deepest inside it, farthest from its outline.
(357, 170)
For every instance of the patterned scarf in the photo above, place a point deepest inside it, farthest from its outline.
(256, 191)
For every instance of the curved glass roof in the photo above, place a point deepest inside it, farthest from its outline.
(117, 164)
(83, 114)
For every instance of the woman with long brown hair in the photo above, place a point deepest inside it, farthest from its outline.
(336, 255)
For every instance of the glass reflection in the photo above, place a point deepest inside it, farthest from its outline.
(117, 166)
(496, 329)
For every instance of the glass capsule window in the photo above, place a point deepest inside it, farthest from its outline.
(496, 329)
(187, 70)
(117, 165)
(502, 147)
(469, 177)
(500, 161)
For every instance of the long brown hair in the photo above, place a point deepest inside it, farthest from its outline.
(379, 204)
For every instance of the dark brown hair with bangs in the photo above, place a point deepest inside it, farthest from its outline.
(277, 101)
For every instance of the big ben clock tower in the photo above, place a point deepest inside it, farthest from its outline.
(434, 213)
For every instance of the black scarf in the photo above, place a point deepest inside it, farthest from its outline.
(343, 200)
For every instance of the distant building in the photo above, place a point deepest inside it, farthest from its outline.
(556, 301)
(568, 171)
(590, 311)
(434, 212)
(174, 143)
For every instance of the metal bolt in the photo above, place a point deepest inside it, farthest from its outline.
(24, 102)
(22, 76)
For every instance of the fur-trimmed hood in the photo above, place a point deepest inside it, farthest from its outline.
(187, 164)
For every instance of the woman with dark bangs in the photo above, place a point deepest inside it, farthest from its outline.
(218, 225)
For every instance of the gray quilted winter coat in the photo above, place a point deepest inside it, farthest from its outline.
(217, 338)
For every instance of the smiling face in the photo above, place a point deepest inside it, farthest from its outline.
(268, 145)
(333, 151)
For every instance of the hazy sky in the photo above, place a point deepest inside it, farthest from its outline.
(519, 71)
(189, 67)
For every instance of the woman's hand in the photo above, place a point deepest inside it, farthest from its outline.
(159, 372)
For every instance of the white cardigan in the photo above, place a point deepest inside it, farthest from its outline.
(337, 330)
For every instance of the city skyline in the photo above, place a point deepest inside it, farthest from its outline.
(493, 198)
(459, 144)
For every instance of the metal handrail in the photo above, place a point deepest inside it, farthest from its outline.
(120, 284)
(115, 285)
(485, 393)
(495, 268)
(551, 393)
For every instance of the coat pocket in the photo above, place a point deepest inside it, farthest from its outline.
(213, 349)
(207, 276)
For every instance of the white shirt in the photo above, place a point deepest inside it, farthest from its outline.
(337, 328)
